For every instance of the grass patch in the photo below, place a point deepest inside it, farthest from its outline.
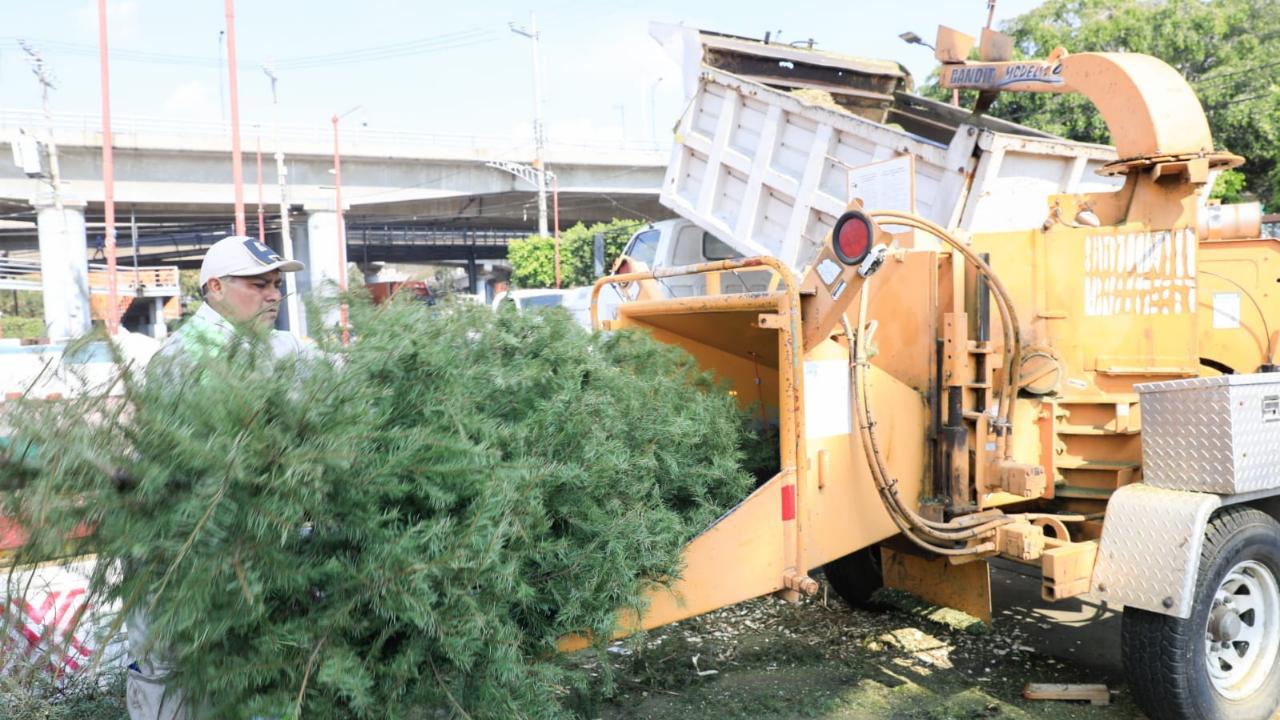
(75, 698)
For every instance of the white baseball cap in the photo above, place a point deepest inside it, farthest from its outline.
(242, 257)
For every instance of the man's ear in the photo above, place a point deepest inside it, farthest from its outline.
(214, 289)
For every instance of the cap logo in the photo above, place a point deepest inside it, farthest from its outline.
(261, 252)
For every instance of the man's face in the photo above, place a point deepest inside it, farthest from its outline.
(255, 298)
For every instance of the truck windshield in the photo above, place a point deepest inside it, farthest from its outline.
(541, 300)
(644, 247)
(713, 248)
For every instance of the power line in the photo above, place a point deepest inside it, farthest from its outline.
(436, 43)
(406, 47)
(1215, 79)
(391, 55)
(1245, 99)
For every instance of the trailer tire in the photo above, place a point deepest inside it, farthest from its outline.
(1199, 668)
(856, 576)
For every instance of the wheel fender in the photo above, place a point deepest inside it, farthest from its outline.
(1150, 549)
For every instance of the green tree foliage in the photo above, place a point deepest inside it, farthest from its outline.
(533, 258)
(409, 522)
(14, 326)
(1229, 187)
(21, 314)
(1226, 49)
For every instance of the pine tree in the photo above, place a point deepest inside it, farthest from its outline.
(409, 522)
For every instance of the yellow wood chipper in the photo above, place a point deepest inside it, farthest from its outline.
(1091, 395)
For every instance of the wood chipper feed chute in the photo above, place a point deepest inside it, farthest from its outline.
(846, 479)
(800, 518)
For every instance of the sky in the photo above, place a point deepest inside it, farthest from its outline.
(437, 66)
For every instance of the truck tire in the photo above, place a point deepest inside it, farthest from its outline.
(856, 576)
(1220, 663)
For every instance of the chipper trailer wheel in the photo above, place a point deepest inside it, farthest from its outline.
(1220, 663)
(856, 576)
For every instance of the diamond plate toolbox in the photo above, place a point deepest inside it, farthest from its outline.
(1218, 434)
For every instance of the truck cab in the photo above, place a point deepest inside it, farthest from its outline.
(677, 242)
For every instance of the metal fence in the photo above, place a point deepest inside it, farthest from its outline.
(151, 281)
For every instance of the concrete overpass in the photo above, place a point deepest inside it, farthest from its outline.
(413, 196)
(185, 166)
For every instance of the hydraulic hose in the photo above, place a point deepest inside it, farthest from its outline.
(1010, 328)
(954, 531)
(908, 521)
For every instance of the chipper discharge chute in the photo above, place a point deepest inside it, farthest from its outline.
(942, 398)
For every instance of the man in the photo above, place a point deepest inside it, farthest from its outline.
(240, 282)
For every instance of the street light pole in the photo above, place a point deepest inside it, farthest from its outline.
(911, 38)
(237, 166)
(555, 216)
(262, 230)
(286, 240)
(539, 131)
(653, 111)
(222, 91)
(108, 176)
(342, 226)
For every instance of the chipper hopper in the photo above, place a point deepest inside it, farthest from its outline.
(943, 398)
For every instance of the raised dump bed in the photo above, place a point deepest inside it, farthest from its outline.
(769, 174)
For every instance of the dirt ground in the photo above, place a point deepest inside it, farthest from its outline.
(903, 660)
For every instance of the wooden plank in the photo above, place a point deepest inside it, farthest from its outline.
(1096, 694)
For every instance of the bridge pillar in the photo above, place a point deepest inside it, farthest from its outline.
(471, 270)
(64, 265)
(321, 250)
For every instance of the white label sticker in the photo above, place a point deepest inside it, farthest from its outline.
(1226, 310)
(826, 398)
(828, 270)
(1077, 383)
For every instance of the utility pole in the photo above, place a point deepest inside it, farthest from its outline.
(51, 148)
(539, 131)
(286, 241)
(64, 278)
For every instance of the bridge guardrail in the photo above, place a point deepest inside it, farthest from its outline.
(150, 281)
(34, 122)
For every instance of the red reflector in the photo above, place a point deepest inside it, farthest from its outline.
(788, 502)
(853, 238)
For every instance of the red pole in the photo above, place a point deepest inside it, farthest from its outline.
(555, 221)
(342, 232)
(108, 175)
(262, 233)
(237, 167)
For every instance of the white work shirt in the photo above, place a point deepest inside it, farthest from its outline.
(208, 333)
